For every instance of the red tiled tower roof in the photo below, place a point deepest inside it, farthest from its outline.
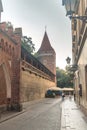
(45, 46)
(46, 54)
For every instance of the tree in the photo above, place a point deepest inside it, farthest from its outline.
(63, 78)
(9, 24)
(28, 44)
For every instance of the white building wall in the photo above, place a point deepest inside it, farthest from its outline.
(82, 63)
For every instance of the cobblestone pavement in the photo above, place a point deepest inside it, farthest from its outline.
(42, 115)
(72, 117)
(45, 114)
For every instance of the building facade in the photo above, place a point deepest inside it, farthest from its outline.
(79, 54)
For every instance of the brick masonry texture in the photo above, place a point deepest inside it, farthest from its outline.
(10, 53)
(18, 86)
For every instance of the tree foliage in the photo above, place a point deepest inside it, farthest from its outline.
(64, 79)
(28, 44)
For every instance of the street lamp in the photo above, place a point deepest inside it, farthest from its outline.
(71, 9)
(68, 59)
(73, 67)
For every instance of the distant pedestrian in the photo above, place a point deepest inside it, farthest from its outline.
(74, 95)
(70, 96)
(63, 95)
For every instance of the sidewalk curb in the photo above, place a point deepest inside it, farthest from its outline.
(19, 113)
(63, 121)
(12, 116)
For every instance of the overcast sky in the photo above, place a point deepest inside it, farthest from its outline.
(34, 15)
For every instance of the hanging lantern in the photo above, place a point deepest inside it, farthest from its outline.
(71, 6)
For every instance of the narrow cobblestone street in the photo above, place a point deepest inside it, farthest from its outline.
(43, 64)
(42, 115)
(46, 114)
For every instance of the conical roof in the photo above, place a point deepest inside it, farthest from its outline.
(1, 7)
(45, 46)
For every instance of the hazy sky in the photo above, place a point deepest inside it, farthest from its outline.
(34, 15)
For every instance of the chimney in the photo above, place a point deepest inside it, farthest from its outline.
(10, 30)
(3, 26)
(18, 31)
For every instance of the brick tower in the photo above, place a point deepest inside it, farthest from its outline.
(46, 54)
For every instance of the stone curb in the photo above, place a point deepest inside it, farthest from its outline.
(11, 116)
(18, 113)
(63, 120)
(25, 107)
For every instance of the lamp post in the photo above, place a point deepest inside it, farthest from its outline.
(72, 67)
(71, 9)
(68, 59)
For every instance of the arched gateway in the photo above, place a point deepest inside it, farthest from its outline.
(5, 86)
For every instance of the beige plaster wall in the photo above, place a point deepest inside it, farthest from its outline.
(33, 87)
(82, 63)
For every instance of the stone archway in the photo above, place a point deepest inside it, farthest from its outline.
(5, 86)
(8, 81)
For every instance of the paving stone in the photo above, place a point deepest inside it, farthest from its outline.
(72, 116)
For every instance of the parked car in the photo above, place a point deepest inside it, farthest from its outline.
(49, 94)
